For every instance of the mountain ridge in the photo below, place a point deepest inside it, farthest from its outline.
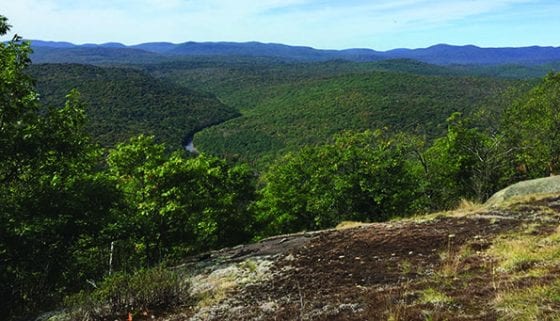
(439, 54)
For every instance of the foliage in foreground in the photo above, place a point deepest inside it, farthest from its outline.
(365, 176)
(121, 293)
(53, 201)
(532, 126)
(468, 162)
(177, 205)
(66, 208)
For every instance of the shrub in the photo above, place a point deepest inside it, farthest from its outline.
(122, 293)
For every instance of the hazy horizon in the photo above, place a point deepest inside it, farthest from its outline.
(274, 43)
(382, 25)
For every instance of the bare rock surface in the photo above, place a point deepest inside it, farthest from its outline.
(545, 185)
(371, 272)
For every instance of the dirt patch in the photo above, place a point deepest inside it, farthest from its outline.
(372, 269)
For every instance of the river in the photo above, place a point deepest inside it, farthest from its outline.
(190, 146)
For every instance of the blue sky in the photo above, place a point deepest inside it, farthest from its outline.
(326, 24)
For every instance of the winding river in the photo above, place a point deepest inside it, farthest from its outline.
(190, 146)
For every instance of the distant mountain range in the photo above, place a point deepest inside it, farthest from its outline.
(442, 54)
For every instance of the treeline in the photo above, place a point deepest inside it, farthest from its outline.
(67, 205)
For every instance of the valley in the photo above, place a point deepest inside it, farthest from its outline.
(272, 107)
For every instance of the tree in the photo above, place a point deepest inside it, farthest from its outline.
(366, 176)
(532, 128)
(52, 200)
(62, 203)
(466, 163)
(19, 106)
(4, 26)
(179, 205)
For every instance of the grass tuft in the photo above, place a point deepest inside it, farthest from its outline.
(539, 302)
(434, 297)
(529, 257)
(523, 251)
(350, 224)
(468, 206)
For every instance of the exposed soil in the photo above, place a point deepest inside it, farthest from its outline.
(376, 271)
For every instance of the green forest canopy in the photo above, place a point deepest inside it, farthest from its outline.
(125, 102)
(311, 111)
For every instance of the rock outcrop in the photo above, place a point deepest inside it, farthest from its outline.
(545, 185)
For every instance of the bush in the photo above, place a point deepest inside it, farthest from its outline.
(122, 293)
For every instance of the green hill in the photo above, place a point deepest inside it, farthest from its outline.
(284, 104)
(244, 82)
(289, 115)
(240, 80)
(123, 102)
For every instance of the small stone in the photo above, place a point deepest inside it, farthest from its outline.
(269, 307)
(289, 257)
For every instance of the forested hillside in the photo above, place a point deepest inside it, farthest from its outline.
(124, 102)
(92, 55)
(269, 92)
(311, 110)
(243, 81)
(289, 105)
